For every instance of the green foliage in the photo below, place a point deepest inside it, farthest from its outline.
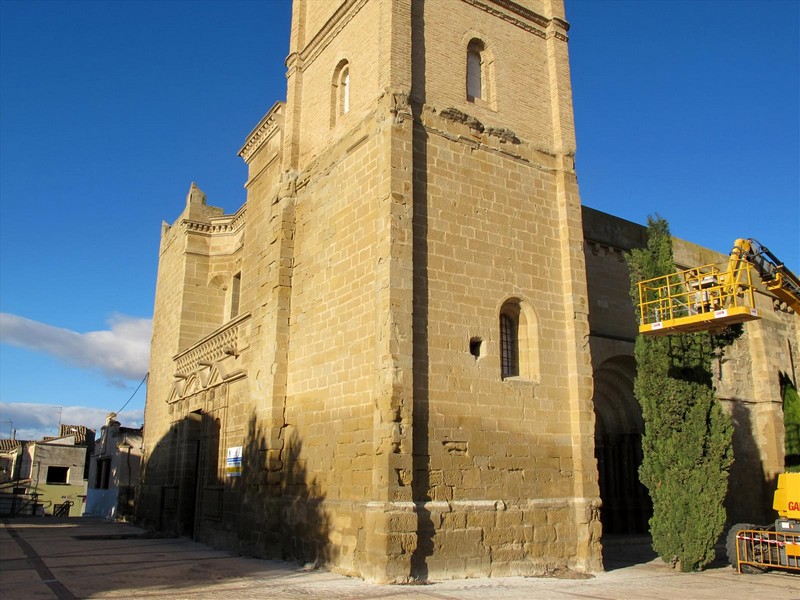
(791, 423)
(687, 441)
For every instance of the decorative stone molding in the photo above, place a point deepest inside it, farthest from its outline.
(453, 114)
(343, 15)
(504, 135)
(597, 248)
(288, 185)
(531, 17)
(265, 129)
(523, 12)
(227, 224)
(460, 127)
(561, 24)
(212, 360)
(400, 108)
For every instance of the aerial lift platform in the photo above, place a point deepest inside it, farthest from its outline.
(712, 297)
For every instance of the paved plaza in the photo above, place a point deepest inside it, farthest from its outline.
(67, 559)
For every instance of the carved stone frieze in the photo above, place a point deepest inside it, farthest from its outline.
(400, 108)
(214, 360)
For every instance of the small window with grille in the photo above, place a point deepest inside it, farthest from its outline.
(509, 344)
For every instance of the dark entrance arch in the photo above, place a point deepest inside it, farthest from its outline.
(618, 448)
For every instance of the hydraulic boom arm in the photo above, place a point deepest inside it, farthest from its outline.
(780, 281)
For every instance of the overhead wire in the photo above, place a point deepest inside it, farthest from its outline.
(141, 383)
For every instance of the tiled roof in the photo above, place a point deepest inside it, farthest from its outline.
(79, 431)
(8, 445)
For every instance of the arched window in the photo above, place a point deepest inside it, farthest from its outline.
(344, 91)
(519, 340)
(475, 77)
(480, 74)
(236, 286)
(340, 91)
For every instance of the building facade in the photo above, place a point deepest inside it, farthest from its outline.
(49, 476)
(383, 361)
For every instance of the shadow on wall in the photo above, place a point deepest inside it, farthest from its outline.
(749, 497)
(627, 507)
(421, 454)
(282, 511)
(244, 495)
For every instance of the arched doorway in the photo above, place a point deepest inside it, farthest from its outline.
(618, 448)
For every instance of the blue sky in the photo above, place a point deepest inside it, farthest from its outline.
(109, 110)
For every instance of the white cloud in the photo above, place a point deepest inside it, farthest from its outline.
(120, 352)
(34, 421)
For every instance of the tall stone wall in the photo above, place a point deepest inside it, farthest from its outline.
(499, 473)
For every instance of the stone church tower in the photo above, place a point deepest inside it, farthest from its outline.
(381, 361)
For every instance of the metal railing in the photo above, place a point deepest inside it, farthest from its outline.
(767, 550)
(62, 510)
(687, 300)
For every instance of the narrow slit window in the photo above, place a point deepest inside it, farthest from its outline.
(236, 285)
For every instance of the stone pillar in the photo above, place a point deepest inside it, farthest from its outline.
(391, 521)
(586, 496)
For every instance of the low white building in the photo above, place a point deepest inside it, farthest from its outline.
(114, 471)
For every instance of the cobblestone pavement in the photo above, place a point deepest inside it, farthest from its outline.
(67, 559)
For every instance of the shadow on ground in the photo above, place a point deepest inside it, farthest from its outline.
(623, 551)
(100, 557)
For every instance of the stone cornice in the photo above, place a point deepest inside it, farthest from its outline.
(521, 11)
(606, 249)
(521, 17)
(227, 224)
(265, 129)
(343, 15)
(459, 127)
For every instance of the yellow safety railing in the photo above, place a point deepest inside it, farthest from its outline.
(696, 299)
(767, 550)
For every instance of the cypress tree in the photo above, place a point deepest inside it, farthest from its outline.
(687, 449)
